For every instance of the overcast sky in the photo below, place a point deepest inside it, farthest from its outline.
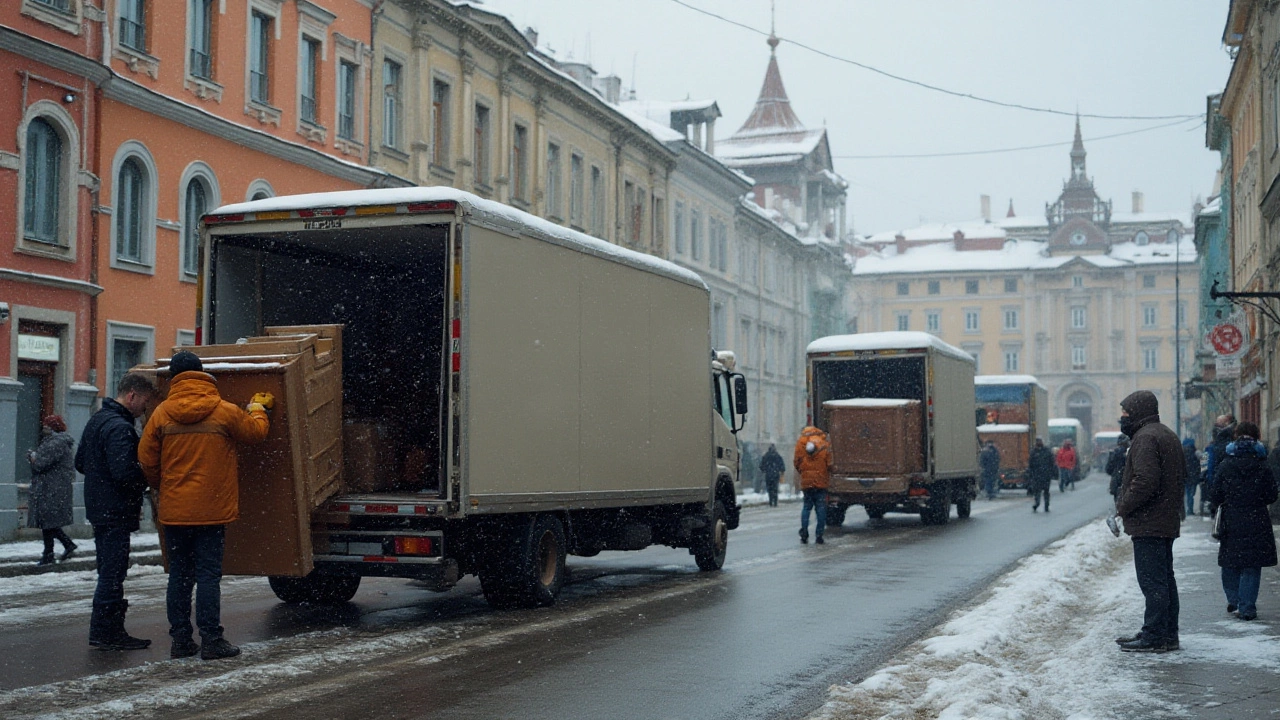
(1106, 57)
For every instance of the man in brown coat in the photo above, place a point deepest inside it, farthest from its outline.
(1150, 501)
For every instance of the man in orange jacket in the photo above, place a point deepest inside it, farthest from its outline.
(813, 461)
(188, 452)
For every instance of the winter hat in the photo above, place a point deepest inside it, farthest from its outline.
(185, 361)
(54, 423)
(1141, 405)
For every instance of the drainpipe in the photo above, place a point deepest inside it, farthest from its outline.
(95, 217)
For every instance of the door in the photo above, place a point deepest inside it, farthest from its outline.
(35, 401)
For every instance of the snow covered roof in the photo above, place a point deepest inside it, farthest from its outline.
(943, 231)
(660, 130)
(494, 212)
(869, 402)
(1014, 255)
(769, 147)
(1064, 422)
(1004, 428)
(1107, 435)
(893, 340)
(1007, 380)
(661, 110)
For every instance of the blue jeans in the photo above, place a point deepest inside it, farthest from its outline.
(112, 548)
(1153, 562)
(195, 560)
(1241, 586)
(1191, 500)
(817, 500)
(1065, 478)
(991, 484)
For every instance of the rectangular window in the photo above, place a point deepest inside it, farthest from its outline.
(440, 106)
(133, 24)
(933, 321)
(719, 332)
(1077, 357)
(713, 243)
(260, 59)
(1077, 281)
(597, 201)
(63, 5)
(1148, 281)
(1079, 318)
(678, 227)
(127, 346)
(1181, 313)
(346, 100)
(577, 189)
(1011, 361)
(904, 288)
(310, 79)
(660, 227)
(520, 163)
(1150, 359)
(1011, 285)
(553, 180)
(722, 240)
(391, 104)
(904, 320)
(200, 58)
(635, 216)
(43, 182)
(935, 287)
(971, 321)
(125, 354)
(970, 287)
(1148, 316)
(1010, 319)
(975, 351)
(695, 234)
(480, 145)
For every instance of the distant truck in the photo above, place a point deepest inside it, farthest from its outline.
(1016, 409)
(513, 391)
(1103, 443)
(1063, 429)
(899, 410)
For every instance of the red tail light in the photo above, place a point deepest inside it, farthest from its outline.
(414, 546)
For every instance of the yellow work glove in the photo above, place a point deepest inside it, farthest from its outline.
(261, 402)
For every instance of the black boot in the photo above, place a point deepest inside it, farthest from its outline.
(68, 548)
(45, 559)
(106, 629)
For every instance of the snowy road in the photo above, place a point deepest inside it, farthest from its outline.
(635, 634)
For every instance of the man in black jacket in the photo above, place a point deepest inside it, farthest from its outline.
(1150, 501)
(113, 490)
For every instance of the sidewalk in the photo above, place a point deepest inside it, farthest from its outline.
(20, 557)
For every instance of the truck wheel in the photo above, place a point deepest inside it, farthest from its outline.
(835, 514)
(710, 543)
(963, 506)
(530, 574)
(938, 509)
(318, 588)
(875, 512)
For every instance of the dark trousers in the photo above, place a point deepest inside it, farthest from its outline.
(1241, 587)
(771, 485)
(195, 560)
(112, 547)
(816, 499)
(51, 534)
(1038, 491)
(991, 484)
(1153, 561)
(1191, 499)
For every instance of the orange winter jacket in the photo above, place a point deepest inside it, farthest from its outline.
(815, 468)
(188, 451)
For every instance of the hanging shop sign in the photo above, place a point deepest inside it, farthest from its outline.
(1229, 338)
(1228, 368)
(38, 347)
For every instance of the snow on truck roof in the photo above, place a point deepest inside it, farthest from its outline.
(1007, 380)
(1064, 422)
(893, 340)
(1107, 435)
(869, 403)
(1006, 428)
(495, 213)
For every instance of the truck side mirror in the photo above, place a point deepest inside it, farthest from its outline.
(740, 394)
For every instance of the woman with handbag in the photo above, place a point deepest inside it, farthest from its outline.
(1243, 487)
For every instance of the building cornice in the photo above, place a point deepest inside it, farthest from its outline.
(52, 281)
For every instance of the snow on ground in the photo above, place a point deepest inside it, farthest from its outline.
(24, 549)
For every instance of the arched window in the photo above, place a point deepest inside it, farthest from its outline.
(43, 182)
(1173, 235)
(197, 204)
(1141, 238)
(131, 199)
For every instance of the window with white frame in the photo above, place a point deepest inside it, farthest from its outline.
(347, 100)
(441, 105)
(200, 54)
(128, 345)
(1149, 313)
(553, 181)
(719, 242)
(903, 318)
(677, 221)
(1079, 317)
(308, 83)
(133, 24)
(1010, 318)
(933, 321)
(1077, 281)
(132, 214)
(1150, 358)
(195, 205)
(1078, 358)
(260, 31)
(391, 90)
(1011, 358)
(43, 182)
(971, 323)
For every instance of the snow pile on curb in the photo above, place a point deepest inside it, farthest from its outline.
(1039, 644)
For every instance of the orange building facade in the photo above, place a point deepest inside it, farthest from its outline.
(135, 118)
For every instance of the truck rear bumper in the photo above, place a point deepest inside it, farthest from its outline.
(439, 573)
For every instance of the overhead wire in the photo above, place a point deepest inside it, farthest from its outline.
(925, 85)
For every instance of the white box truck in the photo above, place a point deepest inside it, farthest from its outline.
(899, 409)
(528, 391)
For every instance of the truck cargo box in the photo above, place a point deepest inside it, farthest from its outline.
(874, 437)
(1012, 441)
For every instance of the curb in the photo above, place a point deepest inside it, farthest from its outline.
(18, 567)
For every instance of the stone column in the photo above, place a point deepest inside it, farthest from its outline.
(419, 123)
(539, 179)
(81, 399)
(502, 151)
(466, 123)
(9, 389)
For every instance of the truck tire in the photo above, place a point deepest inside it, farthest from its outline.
(531, 573)
(835, 514)
(938, 509)
(317, 588)
(875, 512)
(964, 506)
(711, 542)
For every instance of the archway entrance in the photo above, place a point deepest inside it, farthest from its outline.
(1080, 407)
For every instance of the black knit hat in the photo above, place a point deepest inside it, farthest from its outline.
(185, 361)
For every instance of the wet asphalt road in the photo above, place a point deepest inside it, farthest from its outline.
(639, 634)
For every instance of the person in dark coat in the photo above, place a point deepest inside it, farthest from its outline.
(113, 490)
(1192, 459)
(52, 476)
(1041, 469)
(1150, 502)
(1115, 463)
(989, 463)
(1242, 490)
(772, 466)
(1224, 431)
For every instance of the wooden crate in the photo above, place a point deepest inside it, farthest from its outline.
(299, 466)
(873, 437)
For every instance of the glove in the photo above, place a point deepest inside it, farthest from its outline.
(266, 400)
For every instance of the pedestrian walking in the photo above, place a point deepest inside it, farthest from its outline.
(771, 467)
(1242, 490)
(1066, 462)
(1149, 502)
(188, 453)
(989, 463)
(1040, 474)
(1192, 460)
(749, 469)
(52, 474)
(1115, 463)
(1224, 427)
(113, 491)
(812, 460)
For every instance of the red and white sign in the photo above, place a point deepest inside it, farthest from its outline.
(1228, 338)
